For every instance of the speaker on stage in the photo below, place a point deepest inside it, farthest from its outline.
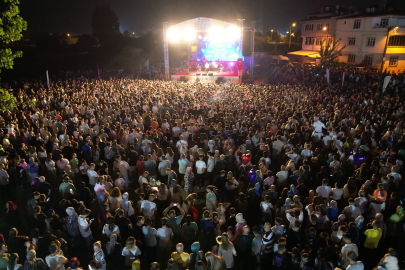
(210, 74)
(198, 74)
(204, 74)
(247, 45)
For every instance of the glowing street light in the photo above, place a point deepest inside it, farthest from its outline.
(70, 38)
(327, 33)
(289, 44)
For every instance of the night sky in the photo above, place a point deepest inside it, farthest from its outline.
(73, 16)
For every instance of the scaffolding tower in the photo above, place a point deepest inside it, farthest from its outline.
(252, 43)
(166, 52)
(241, 37)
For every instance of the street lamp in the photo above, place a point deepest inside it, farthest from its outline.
(271, 35)
(70, 38)
(327, 33)
(289, 44)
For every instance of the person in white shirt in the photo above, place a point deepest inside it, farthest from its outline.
(111, 228)
(123, 167)
(93, 176)
(182, 145)
(344, 263)
(327, 141)
(84, 228)
(55, 261)
(293, 215)
(282, 177)
(201, 167)
(324, 191)
(318, 125)
(353, 264)
(148, 208)
(307, 152)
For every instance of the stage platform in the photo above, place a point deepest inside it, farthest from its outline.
(227, 76)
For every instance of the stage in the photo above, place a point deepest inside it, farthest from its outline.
(227, 77)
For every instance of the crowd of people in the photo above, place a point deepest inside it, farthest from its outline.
(123, 173)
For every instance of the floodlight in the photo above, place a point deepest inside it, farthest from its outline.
(233, 33)
(215, 33)
(189, 34)
(173, 34)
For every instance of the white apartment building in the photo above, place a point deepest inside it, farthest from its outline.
(365, 36)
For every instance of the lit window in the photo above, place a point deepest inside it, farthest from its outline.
(393, 61)
(351, 41)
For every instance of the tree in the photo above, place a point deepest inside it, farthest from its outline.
(330, 52)
(11, 26)
(105, 25)
(86, 41)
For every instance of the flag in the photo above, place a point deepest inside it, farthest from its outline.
(147, 65)
(47, 79)
(386, 82)
(327, 75)
(343, 78)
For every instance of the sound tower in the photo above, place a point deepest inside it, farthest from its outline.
(247, 45)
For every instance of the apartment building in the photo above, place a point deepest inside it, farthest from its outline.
(364, 35)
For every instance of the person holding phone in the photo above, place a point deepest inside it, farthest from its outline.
(85, 230)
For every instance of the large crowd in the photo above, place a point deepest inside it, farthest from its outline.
(125, 173)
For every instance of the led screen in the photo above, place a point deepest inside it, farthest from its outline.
(217, 49)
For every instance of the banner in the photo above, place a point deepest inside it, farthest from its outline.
(147, 65)
(343, 78)
(47, 79)
(327, 75)
(386, 82)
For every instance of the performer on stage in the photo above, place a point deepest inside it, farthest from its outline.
(207, 67)
(221, 68)
(198, 68)
(187, 68)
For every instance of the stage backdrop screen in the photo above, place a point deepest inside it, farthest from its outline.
(212, 49)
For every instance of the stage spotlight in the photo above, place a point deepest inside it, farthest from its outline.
(173, 34)
(233, 33)
(231, 63)
(189, 34)
(215, 33)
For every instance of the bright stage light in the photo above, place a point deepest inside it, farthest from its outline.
(189, 34)
(215, 64)
(231, 63)
(232, 33)
(215, 33)
(173, 34)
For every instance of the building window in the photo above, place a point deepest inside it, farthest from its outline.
(309, 27)
(309, 40)
(397, 41)
(368, 60)
(370, 42)
(393, 61)
(318, 41)
(351, 58)
(351, 41)
(318, 26)
(357, 24)
(327, 25)
(384, 22)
